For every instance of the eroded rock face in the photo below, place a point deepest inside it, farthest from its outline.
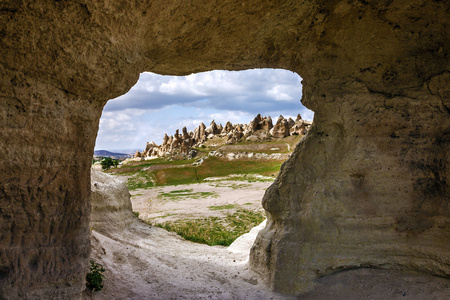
(368, 198)
(111, 210)
(367, 187)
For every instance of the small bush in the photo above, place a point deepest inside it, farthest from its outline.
(94, 279)
(136, 213)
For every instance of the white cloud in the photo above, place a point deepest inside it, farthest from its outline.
(280, 93)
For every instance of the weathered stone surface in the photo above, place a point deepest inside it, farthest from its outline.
(261, 123)
(281, 128)
(110, 204)
(367, 187)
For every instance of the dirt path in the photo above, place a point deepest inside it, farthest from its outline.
(288, 147)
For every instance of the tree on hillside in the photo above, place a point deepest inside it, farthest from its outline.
(108, 162)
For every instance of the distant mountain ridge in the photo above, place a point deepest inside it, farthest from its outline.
(106, 153)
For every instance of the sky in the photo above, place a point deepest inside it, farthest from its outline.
(160, 104)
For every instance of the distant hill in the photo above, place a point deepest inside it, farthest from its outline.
(125, 151)
(106, 153)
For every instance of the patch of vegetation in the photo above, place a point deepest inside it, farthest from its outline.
(161, 172)
(222, 207)
(136, 213)
(161, 217)
(216, 167)
(246, 177)
(140, 180)
(177, 194)
(136, 166)
(94, 279)
(213, 230)
(181, 191)
(108, 162)
(233, 186)
(136, 195)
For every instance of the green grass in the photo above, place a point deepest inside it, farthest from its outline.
(161, 172)
(222, 207)
(180, 191)
(174, 173)
(246, 177)
(213, 230)
(140, 180)
(178, 194)
(215, 167)
(136, 195)
(233, 186)
(163, 216)
(136, 166)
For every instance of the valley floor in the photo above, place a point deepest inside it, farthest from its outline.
(144, 262)
(207, 199)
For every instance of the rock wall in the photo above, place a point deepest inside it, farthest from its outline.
(367, 187)
(360, 191)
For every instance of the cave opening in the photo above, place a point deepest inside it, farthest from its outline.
(194, 179)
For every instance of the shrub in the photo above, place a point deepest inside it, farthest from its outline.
(94, 279)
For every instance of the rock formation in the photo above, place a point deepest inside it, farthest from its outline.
(282, 128)
(110, 204)
(367, 187)
(260, 126)
(261, 123)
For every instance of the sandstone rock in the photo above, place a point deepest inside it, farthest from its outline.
(252, 138)
(212, 129)
(165, 139)
(300, 127)
(193, 153)
(149, 148)
(170, 140)
(234, 137)
(290, 122)
(261, 123)
(137, 154)
(367, 187)
(110, 204)
(227, 128)
(185, 134)
(281, 128)
(297, 129)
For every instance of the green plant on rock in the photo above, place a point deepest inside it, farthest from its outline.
(94, 279)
